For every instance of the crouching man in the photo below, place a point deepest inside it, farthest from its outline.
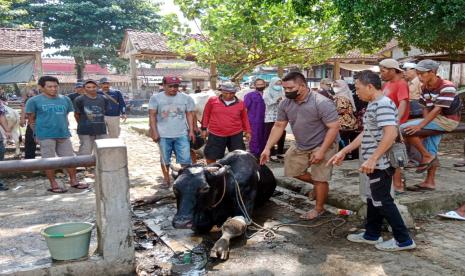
(380, 132)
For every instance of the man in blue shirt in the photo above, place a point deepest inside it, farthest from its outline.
(116, 108)
(48, 118)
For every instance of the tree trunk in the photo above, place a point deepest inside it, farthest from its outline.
(79, 68)
(280, 72)
(213, 75)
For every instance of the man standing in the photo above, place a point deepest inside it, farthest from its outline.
(48, 117)
(116, 108)
(414, 88)
(315, 124)
(78, 91)
(396, 89)
(89, 113)
(442, 107)
(256, 112)
(171, 125)
(4, 125)
(225, 117)
(380, 132)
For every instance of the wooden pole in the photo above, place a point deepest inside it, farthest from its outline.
(133, 70)
(337, 70)
(40, 71)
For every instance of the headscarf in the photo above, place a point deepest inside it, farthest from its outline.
(270, 94)
(342, 89)
(273, 82)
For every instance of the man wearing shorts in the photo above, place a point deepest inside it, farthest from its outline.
(48, 117)
(172, 125)
(225, 117)
(315, 124)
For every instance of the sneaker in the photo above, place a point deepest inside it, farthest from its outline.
(393, 245)
(360, 238)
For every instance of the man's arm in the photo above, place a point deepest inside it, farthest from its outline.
(389, 137)
(402, 109)
(428, 117)
(275, 135)
(153, 125)
(190, 123)
(331, 134)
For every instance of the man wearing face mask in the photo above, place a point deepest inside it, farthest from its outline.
(315, 124)
(256, 112)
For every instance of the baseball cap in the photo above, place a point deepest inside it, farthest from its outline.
(409, 65)
(104, 80)
(228, 87)
(79, 85)
(427, 65)
(92, 81)
(390, 63)
(171, 80)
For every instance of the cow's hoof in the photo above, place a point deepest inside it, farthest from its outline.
(220, 249)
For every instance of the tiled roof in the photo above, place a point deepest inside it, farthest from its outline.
(179, 72)
(358, 55)
(67, 66)
(113, 78)
(21, 40)
(145, 41)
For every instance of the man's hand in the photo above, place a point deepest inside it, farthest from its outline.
(124, 117)
(265, 156)
(248, 136)
(368, 166)
(22, 122)
(192, 136)
(316, 157)
(337, 159)
(155, 136)
(412, 129)
(204, 134)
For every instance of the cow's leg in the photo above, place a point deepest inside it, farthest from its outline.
(233, 227)
(15, 134)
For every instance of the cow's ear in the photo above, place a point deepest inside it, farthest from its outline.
(217, 171)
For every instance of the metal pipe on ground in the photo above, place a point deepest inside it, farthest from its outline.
(47, 163)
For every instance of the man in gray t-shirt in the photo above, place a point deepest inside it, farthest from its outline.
(380, 132)
(315, 124)
(171, 124)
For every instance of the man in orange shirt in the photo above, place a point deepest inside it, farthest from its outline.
(396, 89)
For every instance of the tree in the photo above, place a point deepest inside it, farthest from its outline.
(241, 35)
(11, 13)
(431, 25)
(92, 30)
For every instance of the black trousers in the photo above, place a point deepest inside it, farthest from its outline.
(268, 127)
(30, 145)
(381, 206)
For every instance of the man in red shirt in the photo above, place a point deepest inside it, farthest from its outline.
(396, 89)
(225, 118)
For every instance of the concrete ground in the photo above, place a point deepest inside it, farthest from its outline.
(27, 207)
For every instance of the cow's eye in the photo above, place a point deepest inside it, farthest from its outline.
(204, 189)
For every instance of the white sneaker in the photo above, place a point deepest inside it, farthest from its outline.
(391, 245)
(361, 239)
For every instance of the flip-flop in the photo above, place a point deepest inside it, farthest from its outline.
(452, 215)
(57, 190)
(165, 185)
(306, 217)
(418, 188)
(423, 167)
(459, 164)
(80, 186)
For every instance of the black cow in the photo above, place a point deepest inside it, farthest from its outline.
(206, 196)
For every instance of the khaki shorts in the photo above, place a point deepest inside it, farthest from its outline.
(56, 147)
(86, 143)
(296, 163)
(113, 127)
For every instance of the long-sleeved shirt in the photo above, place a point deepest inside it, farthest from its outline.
(114, 107)
(225, 120)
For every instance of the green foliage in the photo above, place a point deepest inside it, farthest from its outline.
(12, 12)
(239, 35)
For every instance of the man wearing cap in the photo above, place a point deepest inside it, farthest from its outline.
(442, 106)
(116, 108)
(89, 113)
(78, 91)
(172, 125)
(396, 89)
(225, 119)
(414, 88)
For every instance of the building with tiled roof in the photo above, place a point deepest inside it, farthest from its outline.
(21, 41)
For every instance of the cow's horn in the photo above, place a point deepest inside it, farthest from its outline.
(175, 167)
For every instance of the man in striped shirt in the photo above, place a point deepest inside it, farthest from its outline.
(441, 111)
(380, 132)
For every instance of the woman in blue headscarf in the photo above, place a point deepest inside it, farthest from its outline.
(272, 97)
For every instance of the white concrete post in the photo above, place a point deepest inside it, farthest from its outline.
(114, 227)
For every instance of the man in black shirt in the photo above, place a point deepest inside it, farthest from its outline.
(78, 91)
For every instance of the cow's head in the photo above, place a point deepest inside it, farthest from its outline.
(197, 189)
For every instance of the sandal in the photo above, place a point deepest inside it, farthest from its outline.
(460, 164)
(165, 185)
(419, 188)
(308, 215)
(423, 167)
(80, 186)
(57, 190)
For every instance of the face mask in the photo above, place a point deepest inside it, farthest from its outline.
(292, 95)
(277, 87)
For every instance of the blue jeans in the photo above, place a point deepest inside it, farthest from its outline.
(431, 143)
(181, 148)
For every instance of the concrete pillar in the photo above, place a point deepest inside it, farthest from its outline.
(133, 71)
(39, 65)
(114, 227)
